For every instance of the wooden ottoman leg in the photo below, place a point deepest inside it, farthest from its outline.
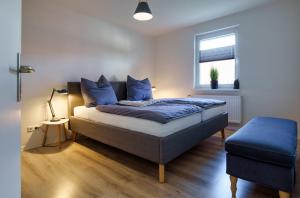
(283, 194)
(223, 134)
(161, 173)
(233, 181)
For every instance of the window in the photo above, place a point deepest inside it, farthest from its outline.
(217, 49)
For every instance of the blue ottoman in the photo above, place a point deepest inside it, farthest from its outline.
(264, 152)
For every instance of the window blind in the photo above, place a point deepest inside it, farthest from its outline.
(217, 54)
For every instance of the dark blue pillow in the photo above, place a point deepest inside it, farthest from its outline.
(138, 89)
(103, 82)
(97, 93)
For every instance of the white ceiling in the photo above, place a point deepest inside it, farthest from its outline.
(168, 14)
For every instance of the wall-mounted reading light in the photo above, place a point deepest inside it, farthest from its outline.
(153, 88)
(143, 12)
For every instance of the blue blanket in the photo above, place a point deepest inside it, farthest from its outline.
(159, 112)
(200, 102)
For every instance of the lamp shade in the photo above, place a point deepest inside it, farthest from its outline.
(142, 12)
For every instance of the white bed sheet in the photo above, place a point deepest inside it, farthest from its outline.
(137, 124)
(212, 112)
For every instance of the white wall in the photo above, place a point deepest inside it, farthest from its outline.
(64, 45)
(269, 59)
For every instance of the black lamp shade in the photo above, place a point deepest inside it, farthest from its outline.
(143, 12)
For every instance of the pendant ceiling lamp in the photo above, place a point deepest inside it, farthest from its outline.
(142, 12)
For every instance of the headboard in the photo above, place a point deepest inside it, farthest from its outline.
(75, 98)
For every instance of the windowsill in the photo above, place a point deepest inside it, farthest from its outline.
(224, 91)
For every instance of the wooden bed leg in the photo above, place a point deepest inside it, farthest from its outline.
(161, 173)
(74, 136)
(223, 134)
(233, 181)
(283, 194)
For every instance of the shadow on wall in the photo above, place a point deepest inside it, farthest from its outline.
(40, 112)
(37, 136)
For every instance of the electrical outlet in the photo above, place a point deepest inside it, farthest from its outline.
(31, 129)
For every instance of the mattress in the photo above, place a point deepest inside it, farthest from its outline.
(212, 112)
(137, 124)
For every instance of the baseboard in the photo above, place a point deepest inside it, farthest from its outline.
(26, 147)
(233, 126)
(230, 127)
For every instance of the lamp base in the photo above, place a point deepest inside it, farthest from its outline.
(55, 120)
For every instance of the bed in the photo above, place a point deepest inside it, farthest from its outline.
(159, 143)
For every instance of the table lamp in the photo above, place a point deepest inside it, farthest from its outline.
(60, 91)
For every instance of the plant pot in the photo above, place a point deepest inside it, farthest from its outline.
(214, 84)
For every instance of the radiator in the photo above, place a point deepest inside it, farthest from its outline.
(233, 106)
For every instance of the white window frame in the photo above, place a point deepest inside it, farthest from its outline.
(212, 34)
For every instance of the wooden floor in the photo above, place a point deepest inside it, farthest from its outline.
(91, 169)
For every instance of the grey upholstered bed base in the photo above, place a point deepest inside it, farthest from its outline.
(160, 150)
(157, 149)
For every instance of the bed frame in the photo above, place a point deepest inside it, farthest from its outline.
(160, 150)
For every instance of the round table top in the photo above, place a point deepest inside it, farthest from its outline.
(62, 121)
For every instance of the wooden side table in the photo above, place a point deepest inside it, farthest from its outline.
(59, 124)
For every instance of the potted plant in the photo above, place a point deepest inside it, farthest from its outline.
(236, 84)
(214, 74)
